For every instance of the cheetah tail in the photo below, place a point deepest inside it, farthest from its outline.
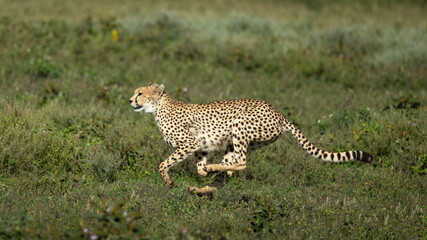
(324, 155)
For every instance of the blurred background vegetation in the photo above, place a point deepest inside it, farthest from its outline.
(77, 162)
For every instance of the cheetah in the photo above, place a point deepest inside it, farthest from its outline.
(238, 126)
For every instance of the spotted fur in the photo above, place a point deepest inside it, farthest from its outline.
(234, 125)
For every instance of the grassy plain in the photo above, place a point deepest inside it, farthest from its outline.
(77, 162)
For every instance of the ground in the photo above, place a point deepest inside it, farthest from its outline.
(77, 162)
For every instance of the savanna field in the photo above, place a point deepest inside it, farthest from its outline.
(76, 162)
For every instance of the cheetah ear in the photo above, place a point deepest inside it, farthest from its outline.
(160, 89)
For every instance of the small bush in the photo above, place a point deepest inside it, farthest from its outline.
(240, 23)
(42, 68)
(103, 164)
(349, 43)
(104, 223)
(401, 47)
(158, 29)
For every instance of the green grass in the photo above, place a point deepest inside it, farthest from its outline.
(76, 161)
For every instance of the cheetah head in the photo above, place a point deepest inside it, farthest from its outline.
(146, 98)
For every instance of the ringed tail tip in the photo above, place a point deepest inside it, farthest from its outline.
(366, 157)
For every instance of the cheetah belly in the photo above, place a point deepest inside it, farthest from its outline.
(212, 139)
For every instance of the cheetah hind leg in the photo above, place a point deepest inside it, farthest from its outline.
(221, 178)
(238, 160)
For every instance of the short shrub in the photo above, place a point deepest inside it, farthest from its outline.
(103, 164)
(349, 42)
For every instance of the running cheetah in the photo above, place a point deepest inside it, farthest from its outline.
(235, 125)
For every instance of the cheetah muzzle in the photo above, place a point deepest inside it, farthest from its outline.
(137, 109)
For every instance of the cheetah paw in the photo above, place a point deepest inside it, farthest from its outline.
(202, 172)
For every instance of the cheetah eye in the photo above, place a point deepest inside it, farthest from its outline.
(139, 94)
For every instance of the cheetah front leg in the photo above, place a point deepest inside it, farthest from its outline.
(179, 155)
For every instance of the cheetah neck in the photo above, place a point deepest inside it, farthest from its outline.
(166, 107)
(167, 104)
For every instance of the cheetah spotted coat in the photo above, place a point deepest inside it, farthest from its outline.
(234, 125)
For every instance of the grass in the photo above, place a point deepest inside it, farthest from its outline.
(77, 162)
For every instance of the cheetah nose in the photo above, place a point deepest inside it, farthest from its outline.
(130, 101)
